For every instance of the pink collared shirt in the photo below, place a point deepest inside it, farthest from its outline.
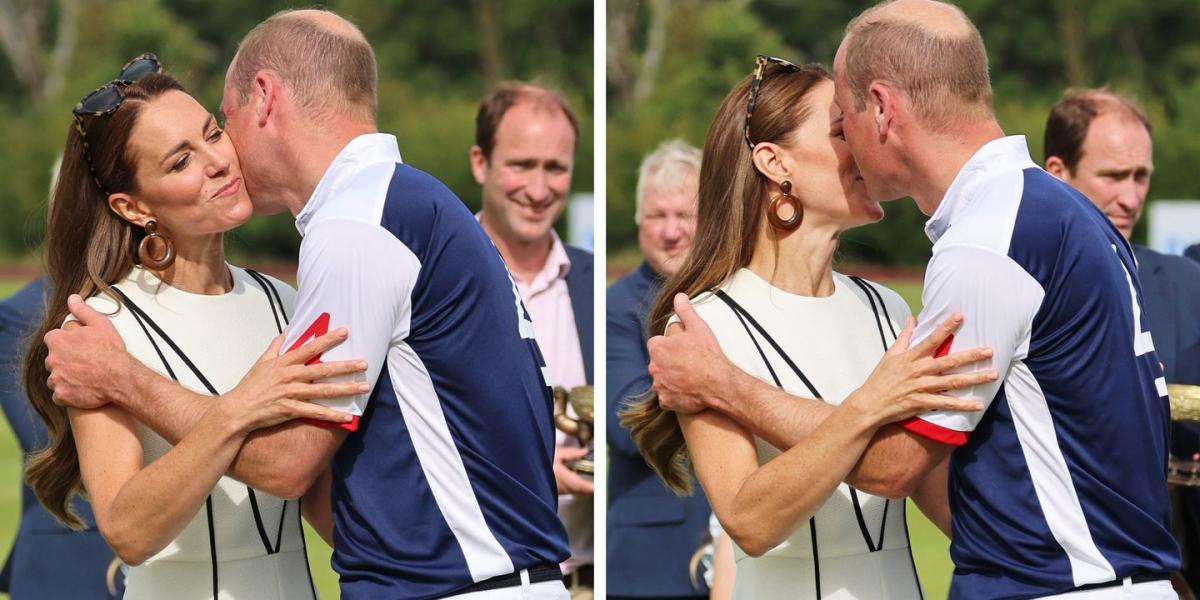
(549, 304)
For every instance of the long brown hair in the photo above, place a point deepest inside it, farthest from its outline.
(88, 248)
(729, 220)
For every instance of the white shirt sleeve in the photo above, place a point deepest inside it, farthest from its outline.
(998, 300)
(356, 275)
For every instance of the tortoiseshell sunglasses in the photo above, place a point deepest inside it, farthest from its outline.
(760, 67)
(107, 98)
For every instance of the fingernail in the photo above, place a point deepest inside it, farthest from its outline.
(343, 332)
(987, 352)
(361, 365)
(364, 387)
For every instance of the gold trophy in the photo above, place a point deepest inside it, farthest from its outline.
(582, 425)
(1185, 406)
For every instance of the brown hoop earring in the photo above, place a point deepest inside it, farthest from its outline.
(778, 222)
(144, 251)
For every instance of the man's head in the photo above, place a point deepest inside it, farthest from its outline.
(524, 152)
(1099, 142)
(904, 69)
(668, 183)
(299, 76)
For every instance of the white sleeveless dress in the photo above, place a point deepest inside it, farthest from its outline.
(856, 546)
(241, 544)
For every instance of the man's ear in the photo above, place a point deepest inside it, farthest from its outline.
(265, 94)
(479, 164)
(129, 208)
(1056, 167)
(882, 101)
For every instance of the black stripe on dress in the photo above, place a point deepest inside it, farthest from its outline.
(738, 312)
(140, 316)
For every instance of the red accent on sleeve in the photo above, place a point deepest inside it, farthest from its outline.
(352, 425)
(318, 328)
(944, 349)
(934, 432)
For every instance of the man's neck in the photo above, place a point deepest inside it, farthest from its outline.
(309, 161)
(524, 259)
(935, 163)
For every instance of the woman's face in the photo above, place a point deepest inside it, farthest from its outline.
(829, 183)
(188, 175)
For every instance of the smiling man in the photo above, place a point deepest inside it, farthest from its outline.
(524, 153)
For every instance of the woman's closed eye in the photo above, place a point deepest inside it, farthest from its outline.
(182, 163)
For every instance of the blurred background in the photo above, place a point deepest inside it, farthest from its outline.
(436, 60)
(671, 62)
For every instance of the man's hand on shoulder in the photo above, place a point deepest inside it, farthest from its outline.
(86, 359)
(687, 363)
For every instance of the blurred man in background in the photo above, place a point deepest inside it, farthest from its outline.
(524, 152)
(652, 534)
(1099, 142)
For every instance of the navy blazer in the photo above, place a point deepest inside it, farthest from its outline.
(1193, 252)
(47, 560)
(652, 533)
(1171, 288)
(580, 286)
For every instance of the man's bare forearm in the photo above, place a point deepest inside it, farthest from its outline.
(275, 459)
(887, 467)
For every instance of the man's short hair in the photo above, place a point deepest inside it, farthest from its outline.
(665, 170)
(945, 76)
(1069, 120)
(326, 71)
(508, 94)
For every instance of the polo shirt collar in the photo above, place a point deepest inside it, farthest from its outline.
(362, 151)
(994, 157)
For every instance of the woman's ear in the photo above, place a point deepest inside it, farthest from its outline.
(129, 208)
(770, 160)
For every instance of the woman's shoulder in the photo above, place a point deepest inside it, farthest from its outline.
(895, 304)
(286, 293)
(708, 306)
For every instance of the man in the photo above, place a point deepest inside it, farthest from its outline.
(524, 153)
(47, 560)
(441, 486)
(652, 534)
(1058, 484)
(1099, 142)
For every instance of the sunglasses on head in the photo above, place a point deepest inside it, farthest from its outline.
(107, 98)
(760, 67)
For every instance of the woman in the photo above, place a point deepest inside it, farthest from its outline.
(148, 186)
(777, 187)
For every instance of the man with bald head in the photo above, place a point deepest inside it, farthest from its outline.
(1058, 485)
(441, 483)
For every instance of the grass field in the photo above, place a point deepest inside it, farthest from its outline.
(929, 545)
